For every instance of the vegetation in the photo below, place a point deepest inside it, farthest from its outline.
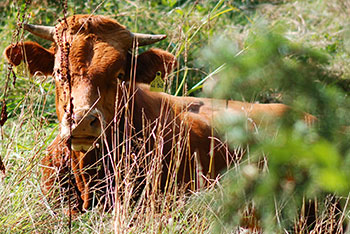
(294, 52)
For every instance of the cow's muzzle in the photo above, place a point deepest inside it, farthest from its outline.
(86, 129)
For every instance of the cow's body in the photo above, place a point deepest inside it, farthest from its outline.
(109, 102)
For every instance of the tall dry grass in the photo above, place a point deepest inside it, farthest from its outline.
(32, 125)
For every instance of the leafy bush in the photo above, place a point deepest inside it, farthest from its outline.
(260, 66)
(304, 162)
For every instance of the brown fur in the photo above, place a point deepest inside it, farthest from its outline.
(98, 57)
(149, 63)
(38, 58)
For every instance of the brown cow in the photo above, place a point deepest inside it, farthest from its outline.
(91, 59)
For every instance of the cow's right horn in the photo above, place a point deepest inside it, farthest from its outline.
(45, 32)
(147, 39)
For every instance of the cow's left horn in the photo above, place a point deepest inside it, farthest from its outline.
(45, 32)
(147, 39)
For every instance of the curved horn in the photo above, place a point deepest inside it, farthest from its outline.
(45, 32)
(147, 39)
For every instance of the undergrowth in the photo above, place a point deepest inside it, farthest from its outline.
(226, 34)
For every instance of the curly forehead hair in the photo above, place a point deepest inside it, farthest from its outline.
(105, 28)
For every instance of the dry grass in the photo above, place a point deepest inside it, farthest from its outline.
(32, 126)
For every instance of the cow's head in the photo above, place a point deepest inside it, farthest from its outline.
(99, 57)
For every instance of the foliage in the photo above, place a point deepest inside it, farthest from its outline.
(298, 56)
(303, 161)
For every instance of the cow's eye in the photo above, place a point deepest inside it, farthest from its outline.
(121, 75)
(58, 75)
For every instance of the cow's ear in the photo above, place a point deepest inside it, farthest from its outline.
(37, 57)
(152, 61)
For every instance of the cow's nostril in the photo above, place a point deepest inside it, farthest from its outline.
(94, 122)
(87, 124)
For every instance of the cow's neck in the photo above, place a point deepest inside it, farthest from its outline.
(150, 106)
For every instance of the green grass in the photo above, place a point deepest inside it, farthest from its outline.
(191, 29)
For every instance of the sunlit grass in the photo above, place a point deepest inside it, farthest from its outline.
(32, 124)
